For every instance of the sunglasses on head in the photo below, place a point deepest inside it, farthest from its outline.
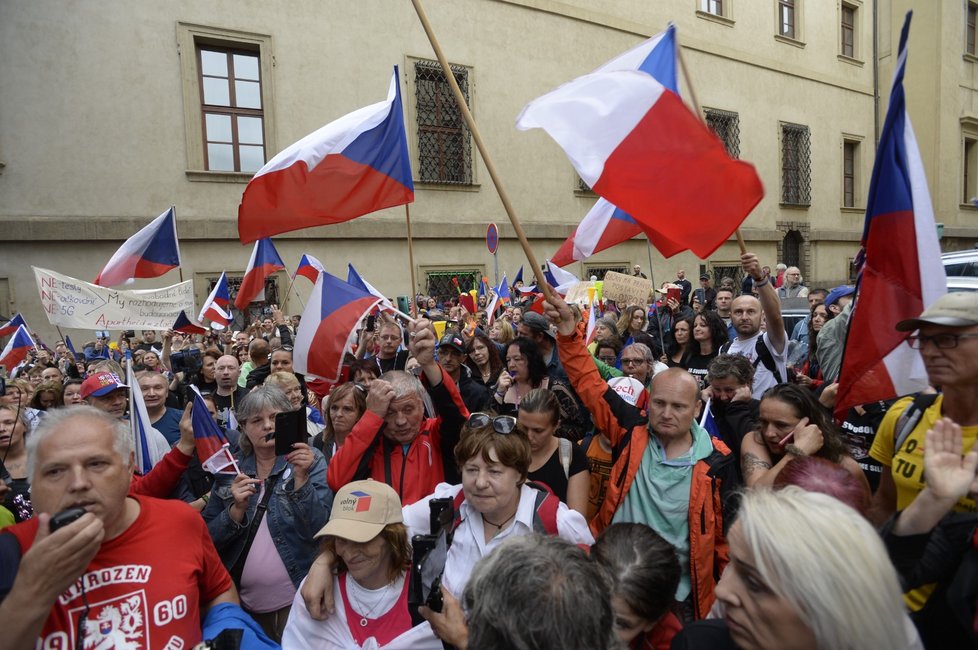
(503, 424)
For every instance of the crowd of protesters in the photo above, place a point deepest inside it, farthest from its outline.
(687, 445)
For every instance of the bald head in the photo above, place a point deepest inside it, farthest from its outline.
(745, 315)
(673, 404)
(258, 351)
(226, 372)
(792, 276)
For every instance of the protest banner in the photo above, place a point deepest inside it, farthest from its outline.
(626, 289)
(581, 293)
(69, 302)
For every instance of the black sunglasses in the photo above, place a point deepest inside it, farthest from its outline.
(503, 424)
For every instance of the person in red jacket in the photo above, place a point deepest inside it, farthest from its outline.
(394, 441)
(667, 472)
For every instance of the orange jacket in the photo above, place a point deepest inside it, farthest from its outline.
(712, 495)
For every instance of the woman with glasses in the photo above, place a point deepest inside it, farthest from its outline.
(792, 424)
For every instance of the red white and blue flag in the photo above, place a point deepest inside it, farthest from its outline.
(149, 253)
(592, 321)
(213, 449)
(17, 349)
(184, 325)
(264, 261)
(12, 325)
(217, 308)
(357, 280)
(309, 268)
(901, 271)
(327, 327)
(559, 279)
(139, 423)
(353, 166)
(635, 143)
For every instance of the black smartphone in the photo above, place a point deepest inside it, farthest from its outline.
(65, 517)
(290, 428)
(130, 334)
(371, 323)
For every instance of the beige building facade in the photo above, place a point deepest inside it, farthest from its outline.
(112, 111)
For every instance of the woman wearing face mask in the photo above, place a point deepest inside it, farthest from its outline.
(789, 587)
(367, 537)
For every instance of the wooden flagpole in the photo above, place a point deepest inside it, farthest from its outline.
(413, 294)
(483, 151)
(699, 114)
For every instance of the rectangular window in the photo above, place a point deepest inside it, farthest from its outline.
(727, 127)
(970, 170)
(850, 150)
(969, 44)
(444, 142)
(442, 286)
(849, 31)
(714, 7)
(786, 18)
(600, 270)
(231, 109)
(796, 165)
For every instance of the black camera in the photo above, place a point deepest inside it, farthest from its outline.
(428, 558)
(187, 361)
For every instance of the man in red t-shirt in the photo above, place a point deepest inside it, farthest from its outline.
(133, 571)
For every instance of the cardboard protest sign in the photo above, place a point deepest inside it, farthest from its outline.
(626, 289)
(580, 293)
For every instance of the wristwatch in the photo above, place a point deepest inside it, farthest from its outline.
(794, 450)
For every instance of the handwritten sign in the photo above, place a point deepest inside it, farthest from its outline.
(75, 303)
(627, 289)
(579, 293)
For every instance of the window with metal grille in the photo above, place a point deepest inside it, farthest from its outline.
(848, 31)
(786, 18)
(969, 44)
(444, 142)
(581, 186)
(796, 165)
(599, 270)
(441, 284)
(727, 127)
(849, 151)
(231, 106)
(256, 310)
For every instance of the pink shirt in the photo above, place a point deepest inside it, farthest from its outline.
(265, 583)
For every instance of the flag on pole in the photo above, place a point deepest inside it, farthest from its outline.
(483, 287)
(309, 268)
(519, 275)
(149, 253)
(503, 291)
(184, 325)
(350, 167)
(901, 273)
(357, 280)
(635, 143)
(592, 321)
(139, 423)
(71, 348)
(216, 308)
(17, 349)
(264, 261)
(213, 449)
(708, 422)
(334, 309)
(13, 324)
(559, 279)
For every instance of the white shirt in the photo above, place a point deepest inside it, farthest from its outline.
(763, 378)
(469, 542)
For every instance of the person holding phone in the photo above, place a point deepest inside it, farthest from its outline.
(263, 520)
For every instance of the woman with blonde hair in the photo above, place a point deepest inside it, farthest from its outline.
(806, 572)
(633, 319)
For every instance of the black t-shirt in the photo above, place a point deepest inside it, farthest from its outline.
(697, 364)
(859, 431)
(225, 402)
(552, 473)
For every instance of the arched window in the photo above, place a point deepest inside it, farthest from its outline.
(791, 249)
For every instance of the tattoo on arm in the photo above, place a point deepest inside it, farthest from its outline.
(751, 463)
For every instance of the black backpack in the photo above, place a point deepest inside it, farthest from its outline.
(763, 355)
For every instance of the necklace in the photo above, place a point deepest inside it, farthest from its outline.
(500, 525)
(358, 607)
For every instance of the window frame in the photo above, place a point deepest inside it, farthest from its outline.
(718, 11)
(734, 117)
(189, 37)
(858, 198)
(787, 8)
(970, 23)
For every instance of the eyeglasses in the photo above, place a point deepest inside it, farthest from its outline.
(504, 424)
(635, 362)
(940, 341)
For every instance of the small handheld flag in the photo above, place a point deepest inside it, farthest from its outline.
(309, 268)
(17, 349)
(149, 253)
(216, 307)
(264, 261)
(213, 449)
(13, 324)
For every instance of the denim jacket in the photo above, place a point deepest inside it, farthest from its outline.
(293, 516)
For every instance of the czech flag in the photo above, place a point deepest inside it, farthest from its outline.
(213, 449)
(355, 165)
(17, 349)
(149, 253)
(184, 325)
(483, 287)
(216, 308)
(309, 268)
(901, 271)
(327, 326)
(592, 322)
(635, 143)
(559, 279)
(502, 291)
(139, 423)
(357, 280)
(13, 324)
(264, 261)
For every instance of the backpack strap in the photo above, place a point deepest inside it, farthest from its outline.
(764, 356)
(910, 417)
(564, 447)
(545, 509)
(457, 505)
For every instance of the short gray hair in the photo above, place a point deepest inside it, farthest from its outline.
(55, 419)
(403, 383)
(642, 349)
(539, 592)
(259, 399)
